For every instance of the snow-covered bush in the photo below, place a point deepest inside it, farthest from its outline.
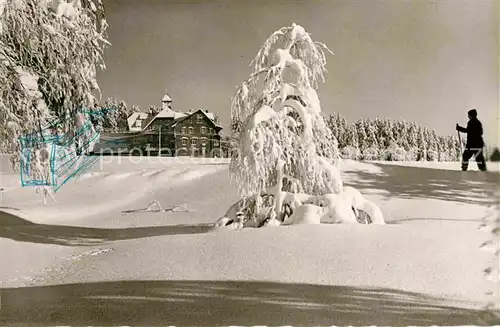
(49, 54)
(350, 152)
(432, 155)
(394, 153)
(370, 154)
(286, 157)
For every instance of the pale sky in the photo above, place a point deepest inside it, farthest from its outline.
(428, 61)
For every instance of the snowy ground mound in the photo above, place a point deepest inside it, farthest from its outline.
(117, 256)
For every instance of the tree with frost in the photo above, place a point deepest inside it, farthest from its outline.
(115, 115)
(394, 153)
(379, 132)
(343, 132)
(402, 139)
(134, 108)
(154, 110)
(361, 134)
(352, 136)
(389, 138)
(441, 148)
(371, 150)
(456, 148)
(432, 146)
(110, 119)
(449, 148)
(122, 114)
(49, 55)
(287, 162)
(338, 125)
(421, 147)
(351, 148)
(333, 124)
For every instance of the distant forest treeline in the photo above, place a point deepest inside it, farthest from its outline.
(392, 140)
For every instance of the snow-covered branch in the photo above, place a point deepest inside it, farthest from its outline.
(49, 55)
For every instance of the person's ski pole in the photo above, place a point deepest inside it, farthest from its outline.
(460, 141)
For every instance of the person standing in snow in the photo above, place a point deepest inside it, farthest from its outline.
(475, 143)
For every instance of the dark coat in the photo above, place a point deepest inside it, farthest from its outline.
(474, 132)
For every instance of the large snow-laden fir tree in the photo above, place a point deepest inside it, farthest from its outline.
(49, 53)
(286, 160)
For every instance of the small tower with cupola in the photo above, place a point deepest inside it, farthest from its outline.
(166, 101)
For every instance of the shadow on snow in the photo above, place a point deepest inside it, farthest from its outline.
(19, 229)
(471, 187)
(217, 303)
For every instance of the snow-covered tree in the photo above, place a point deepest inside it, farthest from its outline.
(49, 55)
(361, 134)
(134, 108)
(111, 117)
(154, 110)
(287, 160)
(343, 138)
(402, 139)
(421, 148)
(371, 147)
(432, 146)
(122, 114)
(333, 124)
(441, 148)
(388, 130)
(394, 152)
(351, 152)
(352, 137)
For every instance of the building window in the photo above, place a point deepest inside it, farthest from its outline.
(203, 141)
(216, 143)
(184, 141)
(191, 130)
(203, 130)
(183, 130)
(194, 141)
(199, 119)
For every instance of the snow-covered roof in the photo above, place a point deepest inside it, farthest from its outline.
(210, 116)
(169, 113)
(133, 118)
(166, 113)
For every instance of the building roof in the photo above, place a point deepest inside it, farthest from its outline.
(209, 115)
(147, 119)
(169, 113)
(166, 113)
(131, 120)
